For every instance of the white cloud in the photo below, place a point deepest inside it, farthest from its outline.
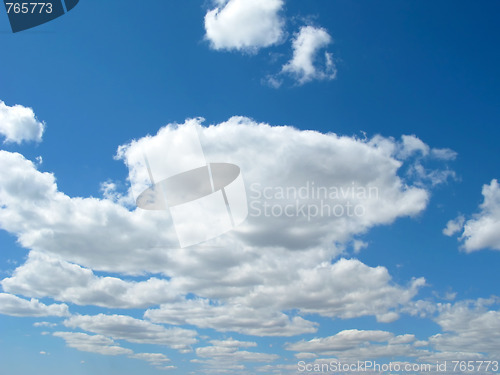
(88, 231)
(482, 231)
(103, 345)
(44, 324)
(359, 245)
(231, 318)
(388, 317)
(342, 341)
(361, 345)
(304, 65)
(450, 296)
(420, 308)
(122, 327)
(244, 25)
(224, 355)
(345, 163)
(411, 145)
(471, 330)
(47, 276)
(443, 153)
(291, 369)
(435, 177)
(155, 359)
(15, 306)
(110, 191)
(345, 289)
(92, 343)
(230, 350)
(19, 124)
(454, 226)
(304, 355)
(268, 265)
(231, 343)
(249, 25)
(105, 236)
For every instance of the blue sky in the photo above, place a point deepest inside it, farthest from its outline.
(399, 95)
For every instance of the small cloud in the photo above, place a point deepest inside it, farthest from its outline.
(305, 355)
(413, 148)
(305, 65)
(272, 81)
(454, 226)
(44, 324)
(388, 317)
(19, 124)
(16, 306)
(411, 144)
(420, 343)
(244, 25)
(447, 296)
(443, 153)
(167, 368)
(450, 296)
(359, 245)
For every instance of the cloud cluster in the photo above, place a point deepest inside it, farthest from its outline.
(102, 235)
(249, 25)
(122, 327)
(19, 124)
(93, 344)
(272, 263)
(231, 317)
(103, 345)
(226, 356)
(47, 276)
(88, 231)
(471, 330)
(224, 350)
(271, 276)
(360, 345)
(345, 289)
